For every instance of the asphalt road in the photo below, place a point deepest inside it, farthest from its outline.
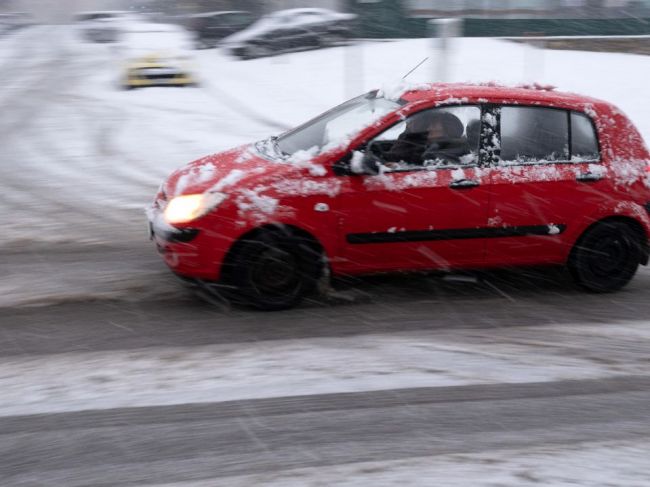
(208, 441)
(142, 305)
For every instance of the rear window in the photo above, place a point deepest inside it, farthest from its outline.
(584, 142)
(530, 134)
(539, 135)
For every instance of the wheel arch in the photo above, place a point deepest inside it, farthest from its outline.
(633, 223)
(312, 244)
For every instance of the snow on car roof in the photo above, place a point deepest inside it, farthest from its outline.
(459, 91)
(108, 12)
(92, 14)
(155, 38)
(218, 12)
(149, 27)
(292, 11)
(272, 21)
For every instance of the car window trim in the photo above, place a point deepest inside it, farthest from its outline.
(569, 111)
(594, 129)
(341, 167)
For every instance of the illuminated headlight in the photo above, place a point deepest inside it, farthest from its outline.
(186, 208)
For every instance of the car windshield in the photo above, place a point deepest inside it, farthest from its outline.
(336, 125)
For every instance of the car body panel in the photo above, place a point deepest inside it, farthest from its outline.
(411, 219)
(158, 71)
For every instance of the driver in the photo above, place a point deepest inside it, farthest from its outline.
(431, 138)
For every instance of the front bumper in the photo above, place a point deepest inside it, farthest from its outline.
(192, 253)
(169, 234)
(146, 83)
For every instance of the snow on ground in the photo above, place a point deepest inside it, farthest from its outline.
(604, 464)
(216, 373)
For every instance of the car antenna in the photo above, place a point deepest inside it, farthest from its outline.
(416, 67)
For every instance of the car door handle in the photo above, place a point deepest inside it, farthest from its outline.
(588, 177)
(464, 184)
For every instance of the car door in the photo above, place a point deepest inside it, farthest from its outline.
(548, 176)
(415, 216)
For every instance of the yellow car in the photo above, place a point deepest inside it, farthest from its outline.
(158, 70)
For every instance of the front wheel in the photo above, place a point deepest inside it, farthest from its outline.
(275, 270)
(606, 257)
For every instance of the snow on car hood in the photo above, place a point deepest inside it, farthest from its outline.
(223, 171)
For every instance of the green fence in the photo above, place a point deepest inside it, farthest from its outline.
(387, 26)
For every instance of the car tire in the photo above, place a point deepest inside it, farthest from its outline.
(606, 257)
(275, 269)
(331, 40)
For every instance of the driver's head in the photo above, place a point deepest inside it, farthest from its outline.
(436, 124)
(445, 125)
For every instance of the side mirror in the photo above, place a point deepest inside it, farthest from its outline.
(366, 162)
(371, 163)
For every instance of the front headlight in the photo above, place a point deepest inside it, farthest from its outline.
(183, 209)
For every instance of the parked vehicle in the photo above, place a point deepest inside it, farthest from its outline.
(210, 27)
(290, 30)
(435, 177)
(101, 26)
(12, 21)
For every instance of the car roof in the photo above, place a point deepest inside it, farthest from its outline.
(104, 12)
(494, 93)
(306, 10)
(218, 12)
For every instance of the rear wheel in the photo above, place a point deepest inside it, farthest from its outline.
(606, 257)
(275, 269)
(331, 40)
(253, 51)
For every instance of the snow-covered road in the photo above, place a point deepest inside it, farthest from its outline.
(458, 386)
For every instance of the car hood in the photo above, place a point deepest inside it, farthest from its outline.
(158, 60)
(224, 172)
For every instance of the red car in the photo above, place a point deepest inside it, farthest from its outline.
(438, 176)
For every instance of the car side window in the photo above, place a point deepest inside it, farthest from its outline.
(534, 134)
(430, 139)
(584, 142)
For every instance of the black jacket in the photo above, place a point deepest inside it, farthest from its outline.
(414, 149)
